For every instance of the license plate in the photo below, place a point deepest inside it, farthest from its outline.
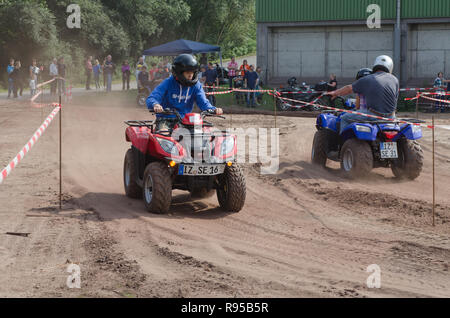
(388, 150)
(200, 170)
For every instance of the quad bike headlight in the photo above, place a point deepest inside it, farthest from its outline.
(168, 146)
(227, 146)
(363, 128)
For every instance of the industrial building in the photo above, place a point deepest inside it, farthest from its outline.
(310, 39)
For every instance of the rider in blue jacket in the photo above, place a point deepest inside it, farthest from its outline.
(179, 92)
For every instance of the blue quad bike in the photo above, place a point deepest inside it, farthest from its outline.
(365, 145)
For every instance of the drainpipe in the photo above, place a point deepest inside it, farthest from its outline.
(397, 42)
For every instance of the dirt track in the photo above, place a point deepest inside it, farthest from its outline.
(303, 232)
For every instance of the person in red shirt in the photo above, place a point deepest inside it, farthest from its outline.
(244, 68)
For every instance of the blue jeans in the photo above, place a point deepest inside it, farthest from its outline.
(251, 98)
(10, 86)
(347, 119)
(108, 82)
(439, 105)
(61, 87)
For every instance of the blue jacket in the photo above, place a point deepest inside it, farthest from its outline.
(171, 94)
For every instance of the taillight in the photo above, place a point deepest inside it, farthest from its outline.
(389, 135)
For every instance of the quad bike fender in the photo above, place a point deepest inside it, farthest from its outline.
(139, 137)
(327, 121)
(411, 132)
(360, 131)
(156, 150)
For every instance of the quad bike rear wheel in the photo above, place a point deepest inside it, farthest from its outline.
(132, 189)
(282, 105)
(231, 191)
(356, 158)
(410, 162)
(319, 148)
(157, 190)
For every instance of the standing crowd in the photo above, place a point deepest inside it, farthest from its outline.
(19, 77)
(241, 77)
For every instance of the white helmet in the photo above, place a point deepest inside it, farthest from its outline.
(383, 63)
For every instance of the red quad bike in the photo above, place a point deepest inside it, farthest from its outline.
(191, 157)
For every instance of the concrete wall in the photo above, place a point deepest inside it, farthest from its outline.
(312, 50)
(319, 51)
(428, 51)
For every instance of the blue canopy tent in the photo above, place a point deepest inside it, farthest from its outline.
(182, 46)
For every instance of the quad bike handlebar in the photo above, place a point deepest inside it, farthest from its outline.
(205, 113)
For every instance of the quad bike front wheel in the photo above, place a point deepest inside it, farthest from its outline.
(356, 158)
(157, 190)
(132, 189)
(410, 161)
(231, 190)
(319, 148)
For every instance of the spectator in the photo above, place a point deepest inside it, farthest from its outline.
(109, 70)
(34, 71)
(139, 66)
(244, 68)
(126, 75)
(440, 89)
(54, 76)
(153, 71)
(20, 79)
(332, 84)
(200, 75)
(97, 69)
(17, 79)
(62, 76)
(144, 79)
(259, 96)
(210, 76)
(104, 73)
(88, 72)
(232, 68)
(168, 67)
(10, 69)
(251, 79)
(203, 59)
(211, 79)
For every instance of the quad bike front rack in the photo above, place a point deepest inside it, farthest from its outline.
(140, 123)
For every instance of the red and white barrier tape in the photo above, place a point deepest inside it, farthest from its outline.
(416, 89)
(45, 83)
(7, 170)
(358, 113)
(304, 92)
(437, 100)
(219, 93)
(35, 96)
(297, 106)
(253, 90)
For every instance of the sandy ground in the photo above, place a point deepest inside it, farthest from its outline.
(303, 232)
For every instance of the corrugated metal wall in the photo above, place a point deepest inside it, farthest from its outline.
(323, 10)
(425, 8)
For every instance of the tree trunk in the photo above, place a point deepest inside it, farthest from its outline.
(200, 24)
